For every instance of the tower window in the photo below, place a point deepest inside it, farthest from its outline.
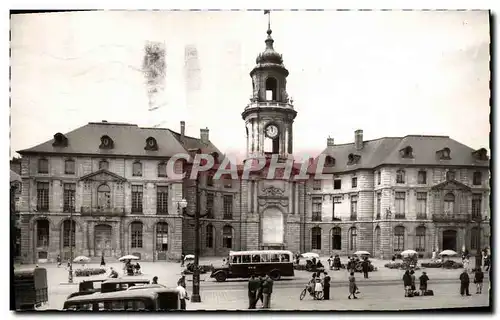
(271, 89)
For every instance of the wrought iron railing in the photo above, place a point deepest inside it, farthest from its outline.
(452, 217)
(99, 211)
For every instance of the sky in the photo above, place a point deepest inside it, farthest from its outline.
(389, 73)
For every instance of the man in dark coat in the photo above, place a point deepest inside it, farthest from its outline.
(423, 282)
(253, 287)
(326, 286)
(267, 290)
(478, 280)
(464, 283)
(260, 296)
(365, 265)
(407, 282)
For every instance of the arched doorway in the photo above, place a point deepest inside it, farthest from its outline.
(450, 240)
(272, 227)
(102, 240)
(42, 239)
(336, 238)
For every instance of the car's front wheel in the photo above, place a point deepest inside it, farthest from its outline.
(220, 277)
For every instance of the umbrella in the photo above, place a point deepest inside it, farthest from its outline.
(310, 255)
(189, 256)
(128, 257)
(408, 252)
(362, 253)
(448, 253)
(81, 259)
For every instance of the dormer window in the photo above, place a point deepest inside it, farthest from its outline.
(106, 142)
(151, 144)
(60, 140)
(137, 169)
(353, 159)
(329, 161)
(406, 152)
(481, 154)
(444, 154)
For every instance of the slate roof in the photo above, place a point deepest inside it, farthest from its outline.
(386, 151)
(128, 140)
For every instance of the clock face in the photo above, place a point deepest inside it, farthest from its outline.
(272, 131)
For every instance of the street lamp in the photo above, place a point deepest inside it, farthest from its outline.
(70, 271)
(195, 297)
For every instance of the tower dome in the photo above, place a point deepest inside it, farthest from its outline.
(269, 58)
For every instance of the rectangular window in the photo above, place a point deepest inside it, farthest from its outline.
(210, 180)
(354, 182)
(316, 184)
(354, 207)
(379, 205)
(316, 239)
(400, 205)
(162, 169)
(210, 236)
(379, 177)
(476, 205)
(43, 166)
(210, 205)
(136, 230)
(421, 205)
(422, 177)
(137, 199)
(68, 232)
(420, 238)
(162, 200)
(69, 167)
(337, 184)
(317, 203)
(228, 207)
(69, 197)
(42, 193)
(476, 178)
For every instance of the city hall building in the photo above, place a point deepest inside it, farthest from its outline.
(103, 189)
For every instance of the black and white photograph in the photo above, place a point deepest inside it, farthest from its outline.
(251, 160)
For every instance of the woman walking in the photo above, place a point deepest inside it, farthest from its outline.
(407, 283)
(318, 288)
(103, 263)
(352, 286)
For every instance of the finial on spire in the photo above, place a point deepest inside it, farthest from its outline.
(268, 12)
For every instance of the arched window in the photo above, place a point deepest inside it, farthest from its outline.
(227, 237)
(352, 238)
(271, 89)
(136, 234)
(103, 164)
(162, 169)
(400, 176)
(69, 166)
(449, 203)
(399, 238)
(316, 238)
(42, 233)
(476, 178)
(43, 165)
(103, 196)
(474, 238)
(69, 227)
(420, 239)
(377, 238)
(336, 238)
(162, 236)
(137, 169)
(209, 236)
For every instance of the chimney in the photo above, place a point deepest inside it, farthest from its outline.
(330, 142)
(204, 135)
(183, 129)
(358, 139)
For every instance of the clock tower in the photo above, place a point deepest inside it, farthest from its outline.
(269, 115)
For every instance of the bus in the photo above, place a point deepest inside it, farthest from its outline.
(242, 264)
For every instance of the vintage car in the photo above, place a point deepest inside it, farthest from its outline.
(88, 287)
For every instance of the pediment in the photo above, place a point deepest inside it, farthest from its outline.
(103, 175)
(451, 185)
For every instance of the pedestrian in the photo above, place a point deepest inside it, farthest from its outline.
(336, 262)
(182, 281)
(330, 262)
(317, 287)
(113, 273)
(326, 287)
(267, 290)
(155, 280)
(413, 278)
(58, 259)
(466, 264)
(69, 263)
(365, 265)
(253, 288)
(423, 282)
(260, 295)
(353, 288)
(464, 283)
(407, 283)
(182, 260)
(103, 263)
(478, 280)
(487, 263)
(183, 295)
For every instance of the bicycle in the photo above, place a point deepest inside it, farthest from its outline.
(317, 295)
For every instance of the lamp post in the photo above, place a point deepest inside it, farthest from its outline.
(70, 271)
(195, 297)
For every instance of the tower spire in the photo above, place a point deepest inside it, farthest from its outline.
(268, 12)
